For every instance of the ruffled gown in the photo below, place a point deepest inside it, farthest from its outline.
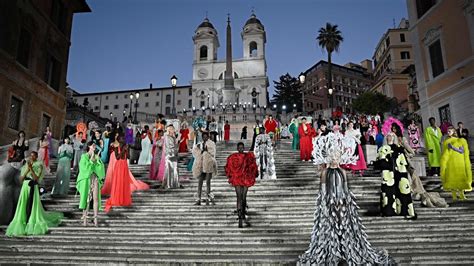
(30, 217)
(109, 179)
(241, 169)
(338, 234)
(63, 173)
(361, 164)
(264, 157)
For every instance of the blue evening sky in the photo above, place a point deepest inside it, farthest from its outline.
(127, 44)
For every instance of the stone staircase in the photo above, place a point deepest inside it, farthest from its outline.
(163, 226)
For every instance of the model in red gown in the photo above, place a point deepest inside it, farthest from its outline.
(134, 183)
(183, 141)
(241, 169)
(120, 192)
(306, 132)
(226, 131)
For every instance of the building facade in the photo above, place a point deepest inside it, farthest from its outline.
(250, 81)
(35, 37)
(348, 82)
(442, 32)
(117, 105)
(392, 56)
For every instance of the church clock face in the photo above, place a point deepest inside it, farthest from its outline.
(202, 73)
(253, 70)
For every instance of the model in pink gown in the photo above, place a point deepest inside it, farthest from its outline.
(157, 168)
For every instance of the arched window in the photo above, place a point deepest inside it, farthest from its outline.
(203, 53)
(253, 49)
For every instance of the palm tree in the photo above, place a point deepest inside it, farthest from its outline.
(330, 38)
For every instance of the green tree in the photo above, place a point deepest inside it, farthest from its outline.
(329, 39)
(287, 92)
(373, 102)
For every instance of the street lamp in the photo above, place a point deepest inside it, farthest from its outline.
(208, 99)
(330, 90)
(174, 81)
(111, 115)
(124, 113)
(137, 95)
(302, 79)
(283, 107)
(131, 105)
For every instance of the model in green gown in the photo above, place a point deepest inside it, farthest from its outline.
(34, 220)
(63, 173)
(295, 144)
(90, 181)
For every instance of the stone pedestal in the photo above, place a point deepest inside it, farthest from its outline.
(370, 153)
(418, 162)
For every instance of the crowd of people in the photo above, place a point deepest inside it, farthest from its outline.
(102, 159)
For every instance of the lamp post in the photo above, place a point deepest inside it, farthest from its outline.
(131, 105)
(137, 95)
(302, 79)
(174, 81)
(208, 99)
(111, 116)
(330, 98)
(124, 115)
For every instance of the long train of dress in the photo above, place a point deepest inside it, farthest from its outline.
(338, 234)
(134, 184)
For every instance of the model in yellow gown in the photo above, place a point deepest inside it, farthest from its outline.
(456, 172)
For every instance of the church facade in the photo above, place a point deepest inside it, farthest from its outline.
(212, 84)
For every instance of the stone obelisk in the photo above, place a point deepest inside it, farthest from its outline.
(229, 89)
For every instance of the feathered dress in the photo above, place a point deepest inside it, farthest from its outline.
(338, 234)
(264, 156)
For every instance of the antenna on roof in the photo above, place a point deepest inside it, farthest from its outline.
(206, 15)
(394, 23)
(253, 11)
